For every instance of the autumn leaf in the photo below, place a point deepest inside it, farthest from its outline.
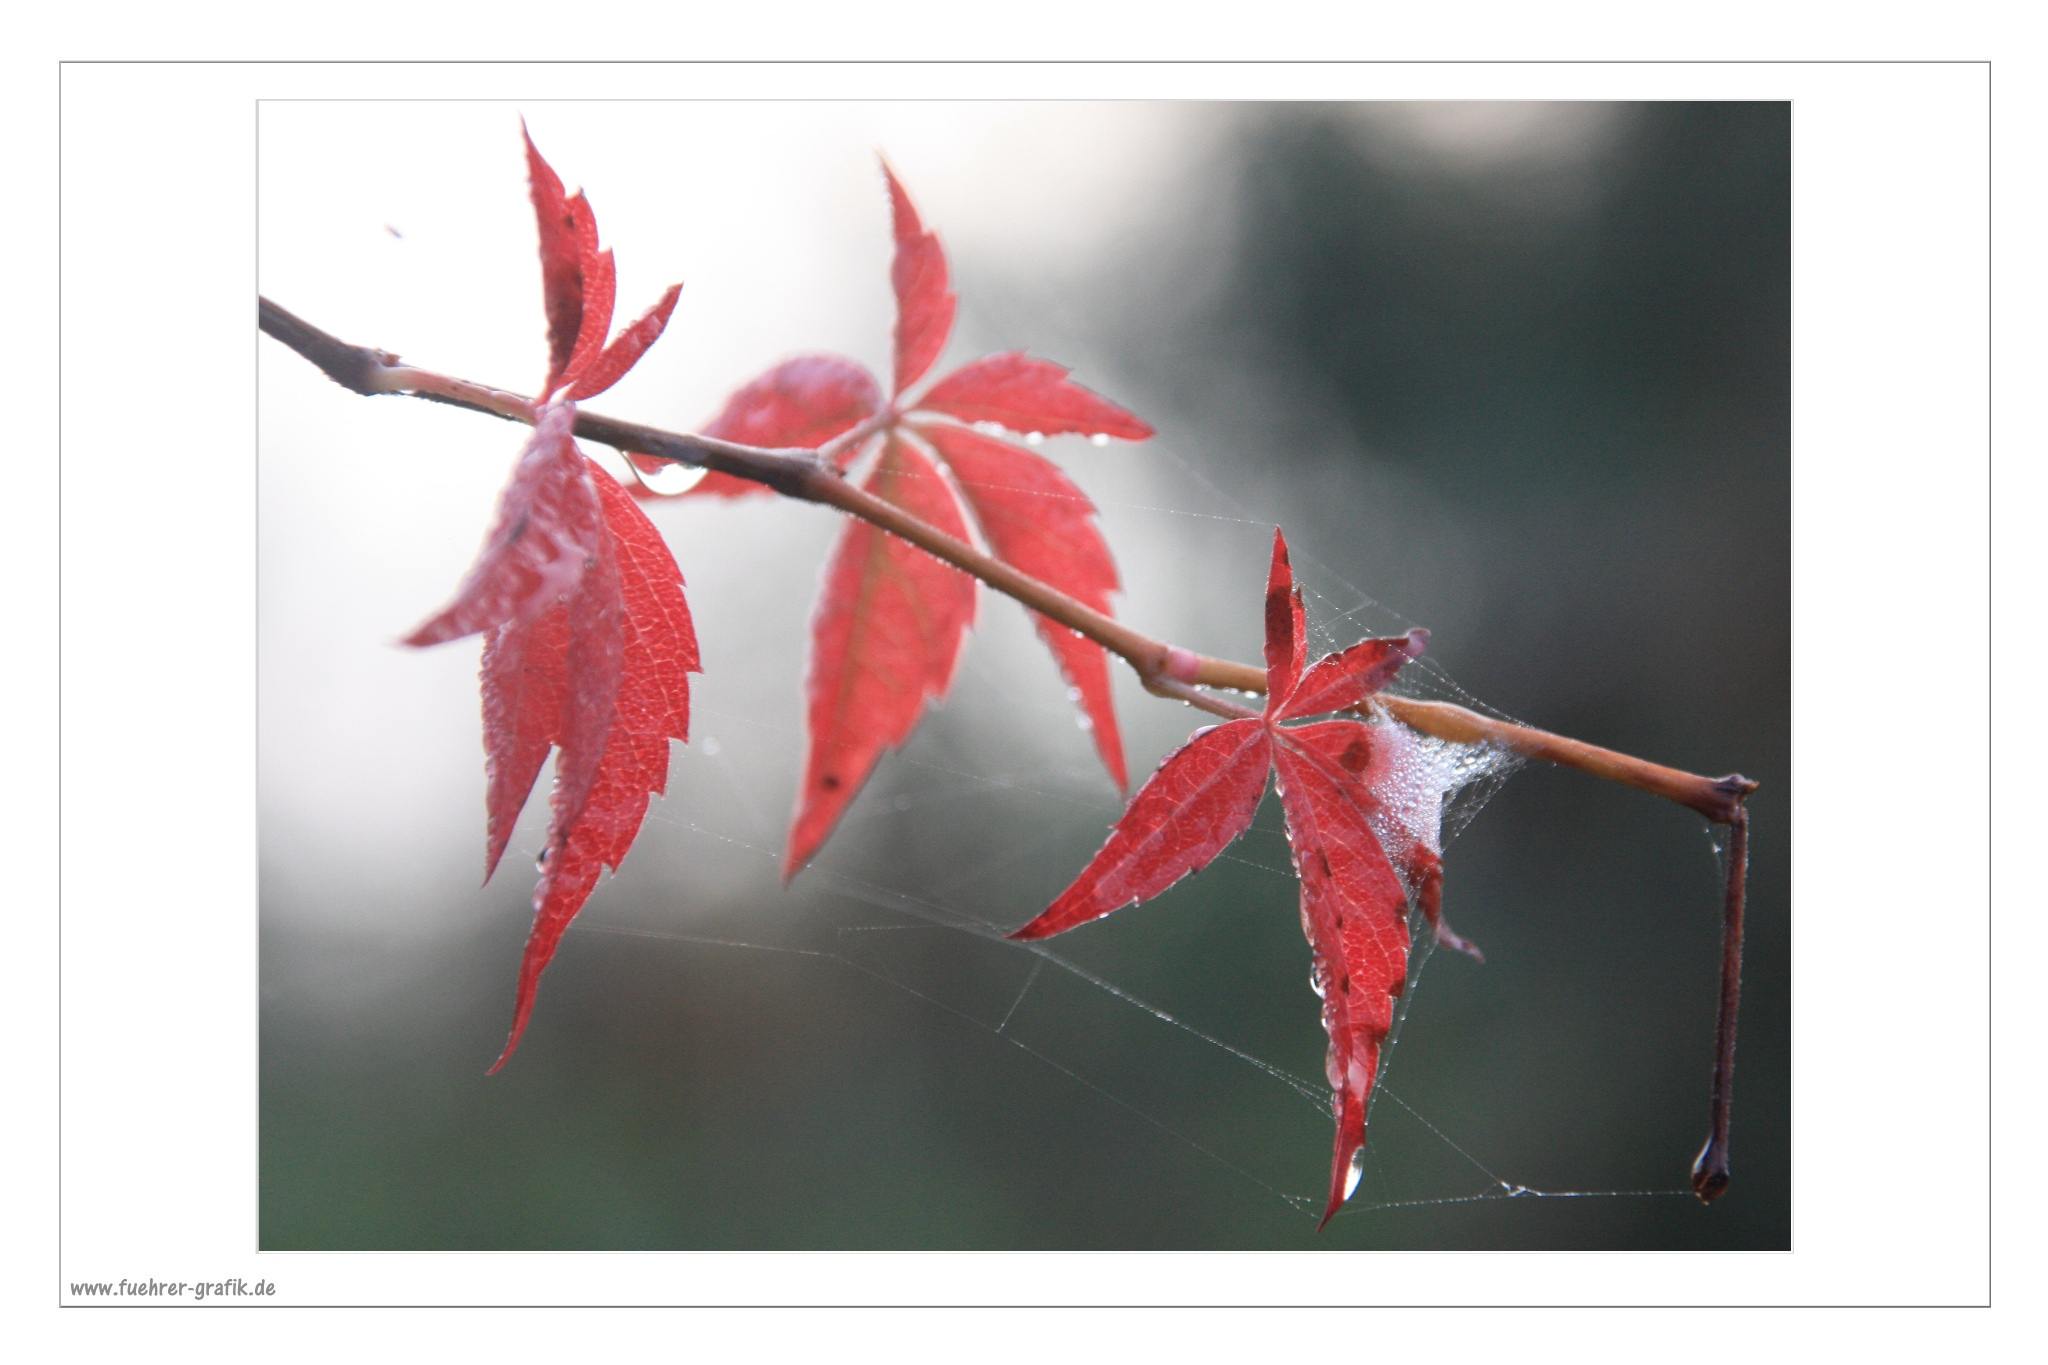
(924, 291)
(649, 706)
(884, 643)
(588, 645)
(579, 284)
(1017, 503)
(1362, 824)
(589, 656)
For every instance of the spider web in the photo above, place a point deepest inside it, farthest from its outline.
(1163, 1033)
(1030, 996)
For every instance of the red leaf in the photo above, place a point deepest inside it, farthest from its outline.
(1354, 910)
(1344, 679)
(523, 682)
(1353, 793)
(626, 348)
(649, 705)
(1202, 797)
(1286, 629)
(579, 286)
(600, 297)
(561, 259)
(885, 640)
(548, 531)
(1026, 394)
(1033, 517)
(924, 297)
(803, 402)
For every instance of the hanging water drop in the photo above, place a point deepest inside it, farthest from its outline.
(1355, 1174)
(1100, 438)
(669, 479)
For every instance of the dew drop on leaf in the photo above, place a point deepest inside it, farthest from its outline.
(1355, 1174)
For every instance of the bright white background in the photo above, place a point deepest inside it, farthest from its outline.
(159, 650)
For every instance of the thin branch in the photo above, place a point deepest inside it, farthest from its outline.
(1166, 670)
(1176, 690)
(810, 476)
(1710, 1171)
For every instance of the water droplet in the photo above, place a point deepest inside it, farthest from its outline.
(668, 480)
(710, 745)
(1100, 438)
(1034, 438)
(1355, 1174)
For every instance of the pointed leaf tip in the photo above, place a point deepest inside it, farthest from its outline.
(1286, 628)
(561, 258)
(923, 285)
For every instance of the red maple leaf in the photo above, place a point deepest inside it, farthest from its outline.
(871, 679)
(588, 645)
(1362, 822)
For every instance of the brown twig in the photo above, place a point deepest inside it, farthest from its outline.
(803, 475)
(1710, 1171)
(1167, 670)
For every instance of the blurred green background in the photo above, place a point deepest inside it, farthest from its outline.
(1519, 373)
